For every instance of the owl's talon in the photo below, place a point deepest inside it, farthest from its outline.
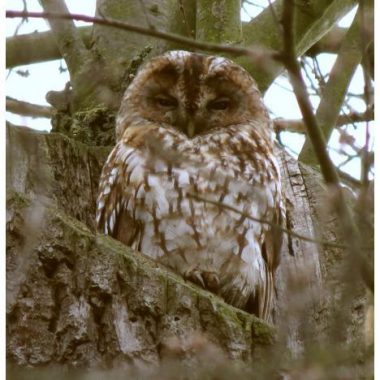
(196, 277)
(208, 280)
(212, 280)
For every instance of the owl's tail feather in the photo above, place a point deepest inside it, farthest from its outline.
(260, 302)
(266, 296)
(271, 253)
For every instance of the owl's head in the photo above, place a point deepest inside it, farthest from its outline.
(192, 93)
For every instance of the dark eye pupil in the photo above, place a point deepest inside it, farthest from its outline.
(166, 101)
(219, 104)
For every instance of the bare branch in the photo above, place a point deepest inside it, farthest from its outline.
(314, 131)
(316, 136)
(314, 18)
(330, 43)
(21, 49)
(334, 92)
(349, 180)
(68, 40)
(229, 49)
(28, 109)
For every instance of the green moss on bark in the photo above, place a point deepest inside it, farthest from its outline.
(93, 126)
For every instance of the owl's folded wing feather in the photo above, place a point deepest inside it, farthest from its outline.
(113, 216)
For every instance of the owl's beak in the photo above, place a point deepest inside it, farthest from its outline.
(190, 129)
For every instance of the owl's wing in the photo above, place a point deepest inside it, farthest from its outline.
(113, 216)
(271, 253)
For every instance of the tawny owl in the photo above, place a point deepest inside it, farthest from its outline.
(194, 157)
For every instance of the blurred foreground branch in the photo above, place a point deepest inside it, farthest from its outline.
(266, 222)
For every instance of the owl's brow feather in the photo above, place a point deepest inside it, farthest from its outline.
(192, 72)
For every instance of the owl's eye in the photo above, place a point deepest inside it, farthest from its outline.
(219, 104)
(166, 101)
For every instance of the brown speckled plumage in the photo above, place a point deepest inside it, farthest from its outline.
(195, 124)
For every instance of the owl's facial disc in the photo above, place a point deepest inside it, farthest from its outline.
(196, 94)
(216, 105)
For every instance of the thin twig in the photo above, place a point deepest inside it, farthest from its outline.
(348, 180)
(253, 4)
(347, 160)
(320, 78)
(298, 125)
(25, 9)
(24, 19)
(315, 134)
(233, 50)
(334, 90)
